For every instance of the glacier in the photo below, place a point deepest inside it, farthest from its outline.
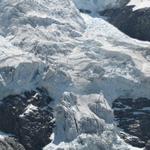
(84, 62)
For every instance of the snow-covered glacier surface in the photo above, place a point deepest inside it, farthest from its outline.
(19, 70)
(84, 62)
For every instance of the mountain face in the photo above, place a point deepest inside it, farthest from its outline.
(62, 72)
(134, 23)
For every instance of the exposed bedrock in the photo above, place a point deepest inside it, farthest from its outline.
(133, 116)
(28, 117)
(134, 23)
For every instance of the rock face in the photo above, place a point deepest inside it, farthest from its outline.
(9, 143)
(28, 117)
(147, 147)
(134, 23)
(133, 116)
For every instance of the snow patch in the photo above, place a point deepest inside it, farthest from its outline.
(139, 4)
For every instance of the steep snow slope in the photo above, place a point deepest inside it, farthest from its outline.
(84, 62)
(19, 70)
(112, 63)
(52, 32)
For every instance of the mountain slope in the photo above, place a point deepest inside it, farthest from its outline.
(83, 62)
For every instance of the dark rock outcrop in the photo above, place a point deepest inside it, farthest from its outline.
(147, 147)
(28, 117)
(132, 140)
(86, 11)
(134, 23)
(133, 116)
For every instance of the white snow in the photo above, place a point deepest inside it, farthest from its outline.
(84, 62)
(19, 70)
(4, 135)
(30, 108)
(139, 4)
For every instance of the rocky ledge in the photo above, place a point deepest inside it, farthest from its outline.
(133, 116)
(28, 117)
(134, 23)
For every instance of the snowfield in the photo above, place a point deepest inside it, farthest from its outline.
(84, 62)
(138, 4)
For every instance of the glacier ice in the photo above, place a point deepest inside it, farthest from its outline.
(84, 63)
